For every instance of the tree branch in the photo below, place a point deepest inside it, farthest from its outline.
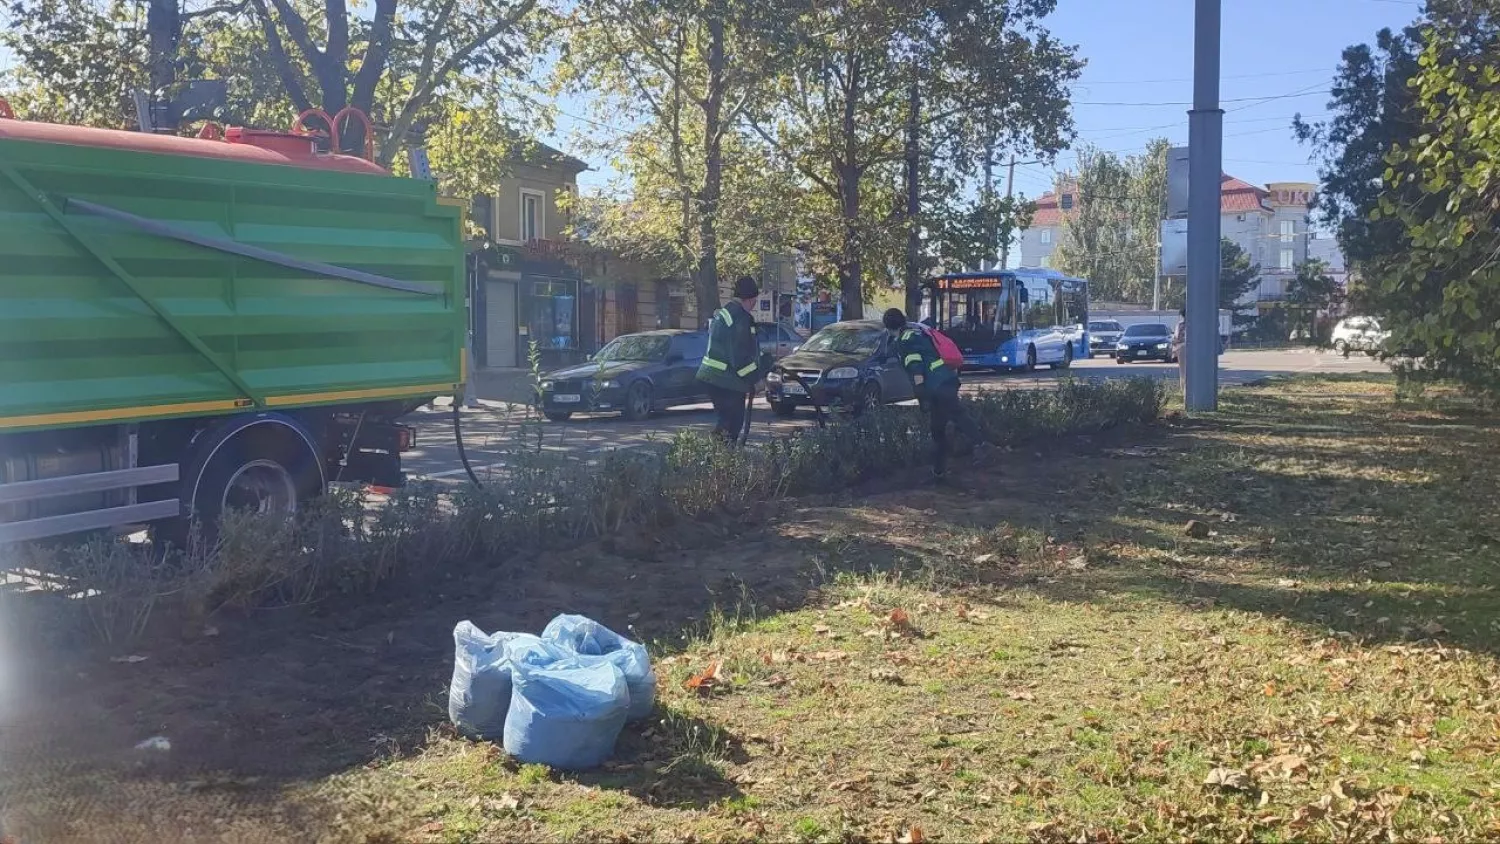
(786, 154)
(424, 90)
(279, 59)
(372, 66)
(223, 8)
(296, 26)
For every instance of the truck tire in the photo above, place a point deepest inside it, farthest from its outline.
(268, 464)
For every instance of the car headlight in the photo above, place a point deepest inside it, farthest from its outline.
(1122, 347)
(1005, 358)
(1161, 345)
(844, 372)
(773, 378)
(547, 385)
(608, 384)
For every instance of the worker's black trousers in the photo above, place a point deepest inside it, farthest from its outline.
(942, 406)
(729, 406)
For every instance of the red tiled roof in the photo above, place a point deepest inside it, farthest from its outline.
(1236, 196)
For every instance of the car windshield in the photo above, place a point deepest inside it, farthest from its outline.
(635, 347)
(848, 341)
(1150, 329)
(1104, 326)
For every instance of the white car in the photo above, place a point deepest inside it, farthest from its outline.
(1359, 334)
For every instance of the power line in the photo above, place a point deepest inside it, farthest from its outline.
(1085, 83)
(1252, 100)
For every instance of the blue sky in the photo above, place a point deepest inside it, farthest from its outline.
(1141, 51)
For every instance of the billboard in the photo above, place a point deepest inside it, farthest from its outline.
(1177, 182)
(1174, 247)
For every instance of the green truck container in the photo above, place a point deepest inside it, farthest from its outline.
(188, 326)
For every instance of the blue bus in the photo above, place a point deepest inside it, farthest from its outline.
(1011, 319)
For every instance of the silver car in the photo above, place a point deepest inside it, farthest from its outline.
(1104, 335)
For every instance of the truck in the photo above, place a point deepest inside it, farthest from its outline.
(194, 325)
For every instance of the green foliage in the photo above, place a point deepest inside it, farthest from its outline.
(1438, 292)
(1111, 237)
(876, 82)
(701, 202)
(1237, 276)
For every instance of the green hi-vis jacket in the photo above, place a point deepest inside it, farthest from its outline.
(920, 359)
(733, 357)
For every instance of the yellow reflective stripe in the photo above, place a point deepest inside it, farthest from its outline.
(715, 364)
(935, 364)
(907, 334)
(746, 370)
(723, 313)
(911, 359)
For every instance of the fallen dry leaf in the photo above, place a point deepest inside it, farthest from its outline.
(827, 656)
(886, 675)
(1230, 779)
(911, 836)
(1285, 765)
(821, 630)
(509, 802)
(775, 681)
(1021, 695)
(706, 682)
(434, 826)
(899, 619)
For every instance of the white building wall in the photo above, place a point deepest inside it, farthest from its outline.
(1037, 246)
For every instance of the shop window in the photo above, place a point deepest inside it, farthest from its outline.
(553, 315)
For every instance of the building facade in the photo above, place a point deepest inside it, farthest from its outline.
(1270, 223)
(527, 286)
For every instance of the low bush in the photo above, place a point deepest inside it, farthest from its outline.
(348, 544)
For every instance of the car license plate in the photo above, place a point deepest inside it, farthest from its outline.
(793, 389)
(1140, 353)
(566, 398)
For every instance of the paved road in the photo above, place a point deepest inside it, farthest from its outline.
(493, 429)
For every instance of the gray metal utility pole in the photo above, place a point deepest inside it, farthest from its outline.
(1205, 168)
(1010, 187)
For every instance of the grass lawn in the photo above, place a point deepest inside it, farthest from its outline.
(1049, 655)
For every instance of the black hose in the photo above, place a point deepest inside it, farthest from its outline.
(458, 437)
(812, 396)
(745, 425)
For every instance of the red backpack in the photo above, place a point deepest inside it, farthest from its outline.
(946, 348)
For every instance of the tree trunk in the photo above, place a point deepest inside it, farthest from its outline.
(913, 200)
(713, 172)
(851, 267)
(164, 28)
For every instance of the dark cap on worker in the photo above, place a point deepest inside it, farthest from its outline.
(894, 319)
(746, 288)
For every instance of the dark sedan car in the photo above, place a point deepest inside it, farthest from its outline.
(1145, 341)
(849, 365)
(634, 375)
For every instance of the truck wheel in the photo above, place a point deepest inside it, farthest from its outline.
(269, 467)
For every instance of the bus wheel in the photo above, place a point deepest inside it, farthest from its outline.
(1067, 360)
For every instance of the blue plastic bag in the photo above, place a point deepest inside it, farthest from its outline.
(566, 714)
(480, 691)
(587, 637)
